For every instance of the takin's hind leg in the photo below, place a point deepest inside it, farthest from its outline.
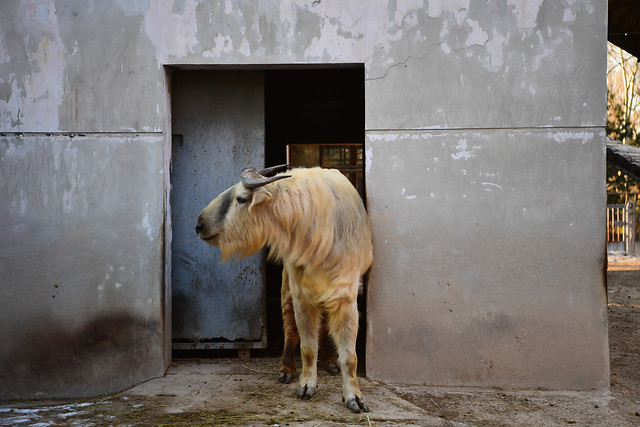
(327, 352)
(342, 318)
(291, 337)
(308, 318)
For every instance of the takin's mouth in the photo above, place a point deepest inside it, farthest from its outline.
(212, 240)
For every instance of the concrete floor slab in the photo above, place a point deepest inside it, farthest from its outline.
(225, 392)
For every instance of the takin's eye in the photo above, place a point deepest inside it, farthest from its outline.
(241, 200)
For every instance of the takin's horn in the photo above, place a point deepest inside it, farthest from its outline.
(251, 178)
(274, 170)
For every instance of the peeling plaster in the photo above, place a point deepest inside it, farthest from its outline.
(459, 9)
(146, 225)
(182, 39)
(459, 24)
(409, 196)
(350, 31)
(368, 156)
(526, 11)
(463, 151)
(384, 36)
(569, 15)
(495, 51)
(561, 137)
(228, 7)
(244, 47)
(477, 36)
(220, 44)
(34, 101)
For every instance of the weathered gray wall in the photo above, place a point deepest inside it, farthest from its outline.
(492, 260)
(485, 175)
(81, 201)
(489, 241)
(81, 263)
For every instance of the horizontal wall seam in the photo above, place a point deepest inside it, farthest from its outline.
(547, 128)
(78, 134)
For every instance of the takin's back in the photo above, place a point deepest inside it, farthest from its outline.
(324, 222)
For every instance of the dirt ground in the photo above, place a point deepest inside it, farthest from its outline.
(247, 392)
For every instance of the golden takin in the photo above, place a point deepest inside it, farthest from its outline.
(314, 222)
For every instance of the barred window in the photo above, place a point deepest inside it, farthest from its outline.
(347, 158)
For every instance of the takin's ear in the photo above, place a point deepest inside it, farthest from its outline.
(260, 196)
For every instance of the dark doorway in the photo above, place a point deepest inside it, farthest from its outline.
(318, 106)
(322, 109)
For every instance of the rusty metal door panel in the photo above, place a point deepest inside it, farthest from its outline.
(218, 127)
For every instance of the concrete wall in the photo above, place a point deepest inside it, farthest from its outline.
(484, 129)
(493, 261)
(81, 201)
(81, 263)
(489, 241)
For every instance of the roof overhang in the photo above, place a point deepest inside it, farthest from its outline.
(624, 25)
(624, 157)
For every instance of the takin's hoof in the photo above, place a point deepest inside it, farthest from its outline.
(306, 392)
(356, 405)
(286, 377)
(333, 367)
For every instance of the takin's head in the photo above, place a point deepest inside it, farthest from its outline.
(229, 221)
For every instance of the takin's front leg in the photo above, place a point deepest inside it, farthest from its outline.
(342, 322)
(291, 337)
(308, 318)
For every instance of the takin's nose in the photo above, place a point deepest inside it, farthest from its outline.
(199, 228)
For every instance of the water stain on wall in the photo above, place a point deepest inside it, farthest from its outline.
(52, 360)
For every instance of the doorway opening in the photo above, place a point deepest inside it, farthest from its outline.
(314, 117)
(224, 120)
